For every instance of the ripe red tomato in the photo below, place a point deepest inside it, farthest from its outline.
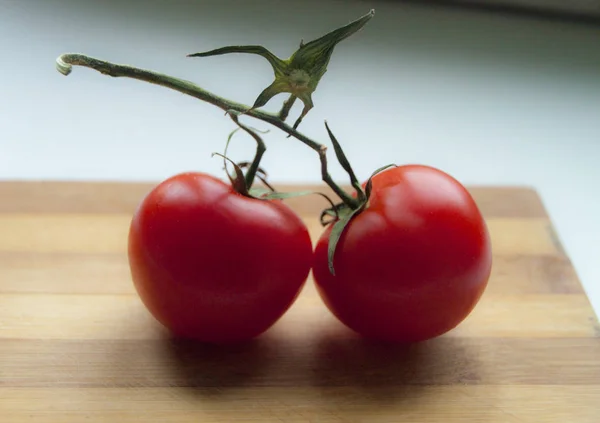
(413, 264)
(214, 265)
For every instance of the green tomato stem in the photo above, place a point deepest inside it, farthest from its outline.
(65, 62)
(343, 160)
(260, 150)
(287, 106)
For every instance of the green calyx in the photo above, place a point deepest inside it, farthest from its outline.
(243, 183)
(340, 215)
(300, 74)
(343, 160)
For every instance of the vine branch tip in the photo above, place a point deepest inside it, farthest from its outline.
(62, 66)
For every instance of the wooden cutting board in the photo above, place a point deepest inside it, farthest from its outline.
(76, 344)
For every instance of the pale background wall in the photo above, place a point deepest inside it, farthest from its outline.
(490, 99)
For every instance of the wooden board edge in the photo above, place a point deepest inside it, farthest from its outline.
(110, 196)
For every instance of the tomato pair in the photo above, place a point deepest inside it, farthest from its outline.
(217, 266)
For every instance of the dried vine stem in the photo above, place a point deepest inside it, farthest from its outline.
(65, 62)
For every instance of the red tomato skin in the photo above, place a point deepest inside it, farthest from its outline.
(213, 265)
(413, 264)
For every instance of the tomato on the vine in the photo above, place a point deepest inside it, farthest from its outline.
(413, 263)
(212, 264)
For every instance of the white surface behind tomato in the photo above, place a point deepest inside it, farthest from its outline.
(489, 99)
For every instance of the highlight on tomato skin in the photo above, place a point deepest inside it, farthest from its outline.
(411, 266)
(213, 265)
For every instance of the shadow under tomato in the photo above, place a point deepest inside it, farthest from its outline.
(384, 372)
(213, 369)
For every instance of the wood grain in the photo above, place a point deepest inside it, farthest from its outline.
(409, 404)
(104, 316)
(328, 356)
(98, 233)
(113, 197)
(108, 273)
(76, 344)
